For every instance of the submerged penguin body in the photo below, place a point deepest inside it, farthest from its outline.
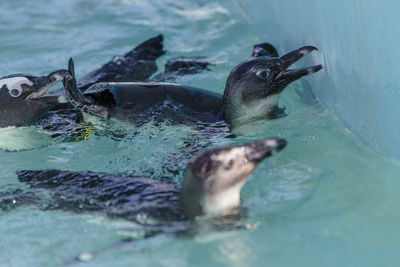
(24, 98)
(211, 185)
(252, 92)
(124, 100)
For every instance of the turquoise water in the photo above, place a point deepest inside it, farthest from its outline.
(326, 200)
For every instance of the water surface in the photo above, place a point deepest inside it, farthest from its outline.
(326, 200)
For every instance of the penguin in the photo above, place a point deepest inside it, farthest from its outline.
(211, 185)
(139, 64)
(251, 93)
(25, 99)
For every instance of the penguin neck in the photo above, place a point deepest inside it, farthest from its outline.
(196, 199)
(242, 112)
(262, 107)
(222, 202)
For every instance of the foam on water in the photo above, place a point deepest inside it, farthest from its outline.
(325, 200)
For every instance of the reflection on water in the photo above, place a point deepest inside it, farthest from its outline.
(235, 252)
(23, 138)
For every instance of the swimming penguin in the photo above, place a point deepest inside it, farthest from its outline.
(139, 64)
(25, 98)
(22, 100)
(252, 91)
(211, 185)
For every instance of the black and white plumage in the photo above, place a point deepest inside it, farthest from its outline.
(252, 92)
(211, 186)
(139, 64)
(22, 99)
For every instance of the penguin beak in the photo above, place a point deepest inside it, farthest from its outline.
(261, 149)
(39, 93)
(287, 76)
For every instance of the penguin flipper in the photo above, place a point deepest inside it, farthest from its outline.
(75, 95)
(180, 66)
(136, 65)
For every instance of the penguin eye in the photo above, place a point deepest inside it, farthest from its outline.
(56, 78)
(15, 92)
(229, 165)
(262, 74)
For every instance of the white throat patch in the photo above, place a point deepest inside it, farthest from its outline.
(257, 108)
(15, 83)
(262, 104)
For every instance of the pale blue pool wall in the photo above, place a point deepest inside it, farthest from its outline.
(359, 47)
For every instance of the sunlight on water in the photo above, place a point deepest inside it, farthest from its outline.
(326, 200)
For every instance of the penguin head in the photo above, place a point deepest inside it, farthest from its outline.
(264, 49)
(44, 83)
(214, 177)
(22, 86)
(58, 76)
(253, 87)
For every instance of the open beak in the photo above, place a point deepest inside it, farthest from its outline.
(289, 59)
(41, 91)
(259, 150)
